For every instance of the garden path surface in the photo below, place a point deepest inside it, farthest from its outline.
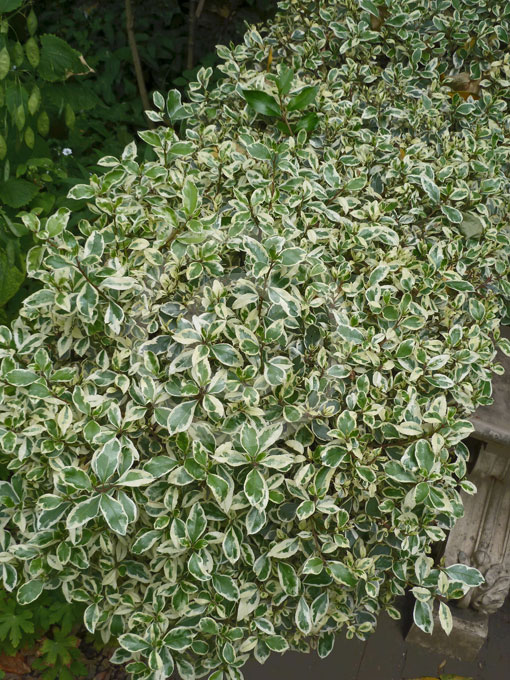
(387, 656)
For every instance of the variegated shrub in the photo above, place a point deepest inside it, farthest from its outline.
(233, 413)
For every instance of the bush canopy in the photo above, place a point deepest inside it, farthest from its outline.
(233, 414)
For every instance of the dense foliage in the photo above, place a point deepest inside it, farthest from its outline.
(234, 412)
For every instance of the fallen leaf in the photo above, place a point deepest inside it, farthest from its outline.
(14, 664)
(453, 677)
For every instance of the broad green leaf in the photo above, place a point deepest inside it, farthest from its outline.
(76, 478)
(262, 102)
(303, 98)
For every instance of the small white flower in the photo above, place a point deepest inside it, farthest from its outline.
(66, 151)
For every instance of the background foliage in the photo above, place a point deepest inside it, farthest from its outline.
(68, 95)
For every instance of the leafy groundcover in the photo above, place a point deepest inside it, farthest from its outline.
(234, 412)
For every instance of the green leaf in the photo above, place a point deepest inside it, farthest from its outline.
(303, 617)
(333, 455)
(259, 151)
(58, 59)
(445, 618)
(231, 547)
(424, 455)
(17, 193)
(179, 639)
(284, 79)
(307, 122)
(303, 98)
(452, 214)
(11, 278)
(350, 334)
(30, 591)
(83, 512)
(10, 5)
(369, 6)
(134, 478)
(226, 354)
(342, 574)
(5, 62)
(76, 478)
(21, 377)
(288, 578)
(80, 192)
(196, 523)
(284, 549)
(114, 514)
(256, 490)
(56, 223)
(189, 196)
(106, 460)
(226, 587)
(430, 188)
(174, 108)
(145, 541)
(396, 471)
(422, 615)
(133, 643)
(276, 643)
(180, 417)
(219, 487)
(469, 576)
(262, 102)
